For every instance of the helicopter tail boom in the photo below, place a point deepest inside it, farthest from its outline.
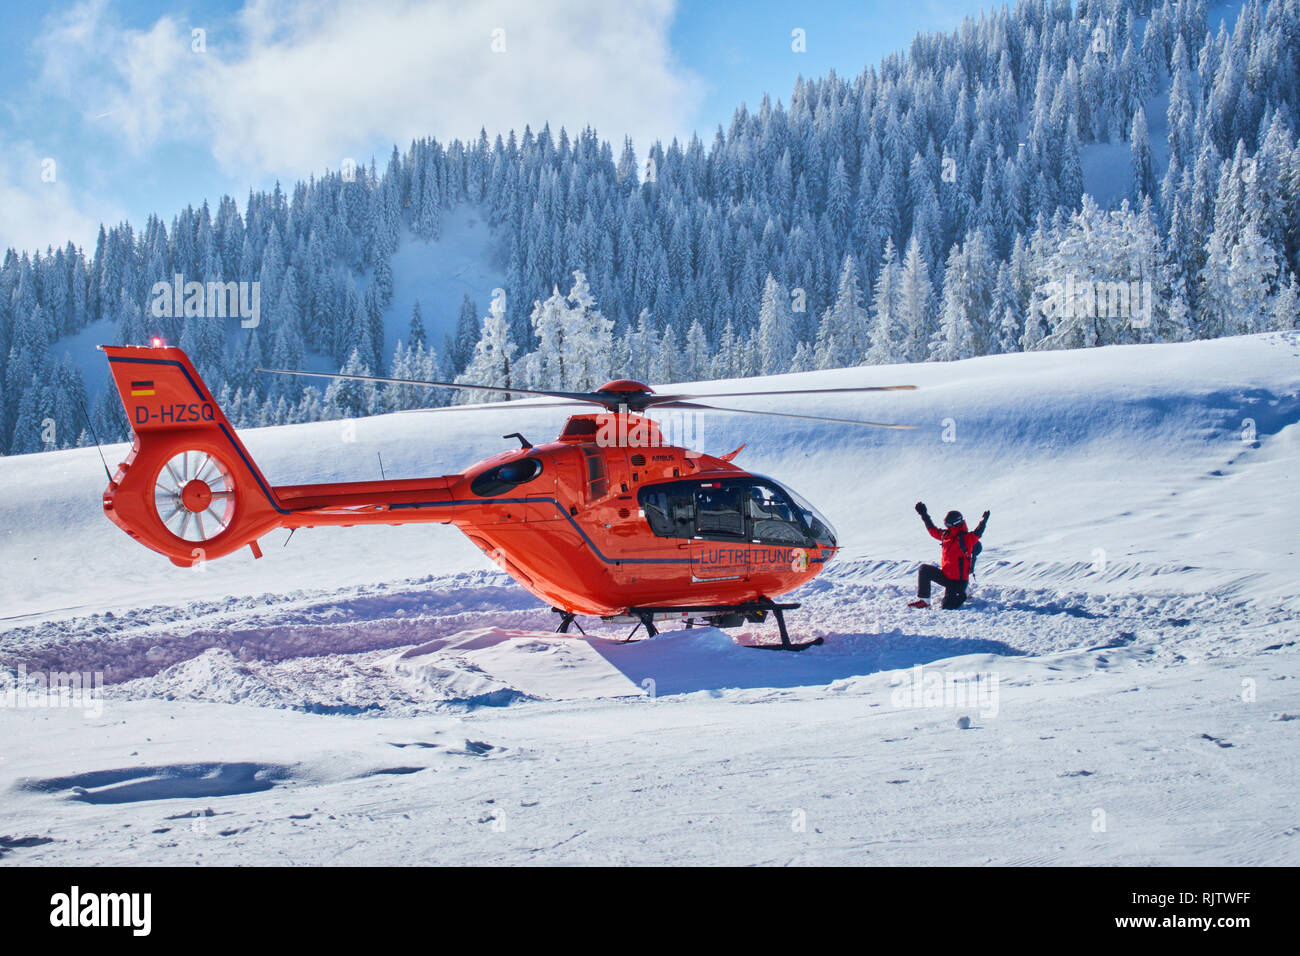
(190, 490)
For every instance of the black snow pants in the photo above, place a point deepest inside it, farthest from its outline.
(954, 592)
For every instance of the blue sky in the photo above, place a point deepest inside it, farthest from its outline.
(742, 50)
(119, 109)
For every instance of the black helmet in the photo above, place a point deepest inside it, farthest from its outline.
(953, 518)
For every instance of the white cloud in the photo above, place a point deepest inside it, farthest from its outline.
(291, 88)
(35, 212)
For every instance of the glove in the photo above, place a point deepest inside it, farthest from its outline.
(920, 507)
(986, 516)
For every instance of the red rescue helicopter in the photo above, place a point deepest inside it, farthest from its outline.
(607, 520)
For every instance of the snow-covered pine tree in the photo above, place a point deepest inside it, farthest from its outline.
(460, 346)
(399, 397)
(843, 332)
(695, 358)
(955, 338)
(547, 365)
(287, 349)
(805, 358)
(1177, 326)
(775, 334)
(641, 344)
(665, 364)
(68, 394)
(311, 407)
(914, 305)
(589, 339)
(1006, 313)
(887, 332)
(35, 407)
(1252, 276)
(1144, 177)
(349, 398)
(1286, 306)
(725, 358)
(493, 361)
(1098, 277)
(416, 334)
(372, 341)
(109, 417)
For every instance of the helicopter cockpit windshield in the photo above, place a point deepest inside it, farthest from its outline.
(819, 528)
(754, 508)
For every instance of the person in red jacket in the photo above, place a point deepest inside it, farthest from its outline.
(958, 549)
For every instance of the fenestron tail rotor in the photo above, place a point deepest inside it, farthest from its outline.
(195, 495)
(624, 395)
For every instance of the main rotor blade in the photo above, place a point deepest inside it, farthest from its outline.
(570, 396)
(754, 411)
(494, 407)
(661, 399)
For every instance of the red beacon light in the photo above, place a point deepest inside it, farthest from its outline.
(158, 342)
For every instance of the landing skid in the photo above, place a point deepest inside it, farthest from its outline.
(566, 618)
(715, 615)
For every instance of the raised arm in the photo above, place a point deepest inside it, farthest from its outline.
(979, 528)
(925, 516)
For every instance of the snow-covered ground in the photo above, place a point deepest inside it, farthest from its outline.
(1128, 665)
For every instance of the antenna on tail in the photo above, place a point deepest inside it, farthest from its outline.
(90, 426)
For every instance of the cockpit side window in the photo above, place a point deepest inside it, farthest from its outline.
(670, 510)
(718, 511)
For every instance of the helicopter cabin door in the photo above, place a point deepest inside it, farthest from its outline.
(720, 549)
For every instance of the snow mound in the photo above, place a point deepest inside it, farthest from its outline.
(215, 675)
(491, 666)
(482, 667)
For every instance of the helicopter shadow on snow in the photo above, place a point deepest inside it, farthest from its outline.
(707, 659)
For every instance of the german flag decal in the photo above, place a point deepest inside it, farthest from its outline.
(141, 389)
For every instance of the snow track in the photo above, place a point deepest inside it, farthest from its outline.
(334, 652)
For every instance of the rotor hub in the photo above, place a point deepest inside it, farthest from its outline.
(196, 496)
(626, 386)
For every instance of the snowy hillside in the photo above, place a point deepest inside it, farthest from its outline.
(1129, 661)
(1045, 175)
(438, 274)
